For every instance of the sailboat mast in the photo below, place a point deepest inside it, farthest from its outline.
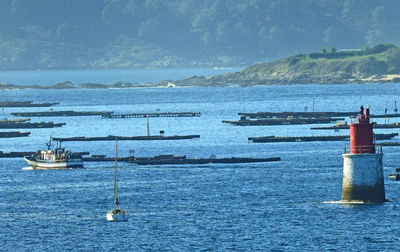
(116, 203)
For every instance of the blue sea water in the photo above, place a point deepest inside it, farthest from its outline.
(276, 206)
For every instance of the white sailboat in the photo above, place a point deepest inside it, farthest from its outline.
(116, 214)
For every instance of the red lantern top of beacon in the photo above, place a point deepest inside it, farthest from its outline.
(361, 134)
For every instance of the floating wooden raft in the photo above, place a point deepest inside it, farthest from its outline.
(389, 143)
(104, 158)
(16, 104)
(309, 114)
(347, 126)
(283, 121)
(385, 116)
(171, 159)
(28, 125)
(12, 134)
(62, 113)
(297, 114)
(120, 138)
(232, 160)
(155, 114)
(129, 159)
(18, 120)
(15, 154)
(271, 139)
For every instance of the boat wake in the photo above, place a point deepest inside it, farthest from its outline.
(353, 202)
(27, 168)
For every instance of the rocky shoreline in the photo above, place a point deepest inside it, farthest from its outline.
(239, 79)
(70, 85)
(233, 79)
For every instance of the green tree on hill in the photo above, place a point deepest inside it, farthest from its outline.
(43, 34)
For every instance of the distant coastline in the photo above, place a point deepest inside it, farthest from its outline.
(380, 64)
(105, 78)
(70, 85)
(192, 82)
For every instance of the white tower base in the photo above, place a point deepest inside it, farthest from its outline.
(363, 177)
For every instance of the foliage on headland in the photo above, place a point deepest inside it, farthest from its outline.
(369, 65)
(122, 34)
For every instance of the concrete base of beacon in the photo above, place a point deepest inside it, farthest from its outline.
(363, 178)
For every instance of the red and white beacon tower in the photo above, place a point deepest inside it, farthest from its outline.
(362, 167)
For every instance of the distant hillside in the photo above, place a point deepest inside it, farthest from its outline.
(378, 64)
(104, 34)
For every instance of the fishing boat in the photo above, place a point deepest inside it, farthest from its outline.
(59, 158)
(116, 214)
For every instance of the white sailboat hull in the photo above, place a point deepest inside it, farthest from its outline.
(112, 216)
